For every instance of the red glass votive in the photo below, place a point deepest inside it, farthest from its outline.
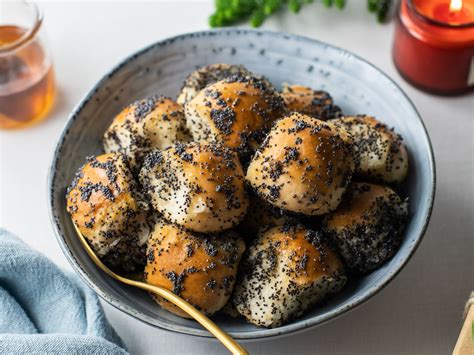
(434, 48)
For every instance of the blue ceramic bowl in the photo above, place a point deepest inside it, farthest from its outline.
(356, 85)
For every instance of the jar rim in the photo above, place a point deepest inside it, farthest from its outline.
(432, 21)
(29, 34)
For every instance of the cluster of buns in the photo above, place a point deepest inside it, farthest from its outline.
(237, 196)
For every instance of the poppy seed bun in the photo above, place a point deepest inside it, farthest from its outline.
(286, 271)
(303, 166)
(155, 122)
(199, 268)
(367, 227)
(200, 187)
(104, 205)
(315, 103)
(379, 152)
(204, 76)
(237, 112)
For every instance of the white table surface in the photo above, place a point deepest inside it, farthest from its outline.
(418, 313)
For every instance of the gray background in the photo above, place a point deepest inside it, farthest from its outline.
(418, 313)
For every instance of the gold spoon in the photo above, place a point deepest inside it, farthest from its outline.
(222, 336)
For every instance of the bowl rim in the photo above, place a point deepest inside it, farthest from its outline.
(247, 335)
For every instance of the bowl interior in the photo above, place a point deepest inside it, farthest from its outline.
(355, 85)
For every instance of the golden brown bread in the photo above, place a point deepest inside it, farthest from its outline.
(315, 103)
(200, 187)
(155, 122)
(367, 227)
(304, 166)
(379, 152)
(199, 268)
(104, 204)
(204, 76)
(237, 111)
(286, 270)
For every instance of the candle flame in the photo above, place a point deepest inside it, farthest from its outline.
(455, 5)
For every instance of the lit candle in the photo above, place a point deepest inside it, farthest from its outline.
(453, 12)
(434, 44)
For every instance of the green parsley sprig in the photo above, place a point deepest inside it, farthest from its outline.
(230, 12)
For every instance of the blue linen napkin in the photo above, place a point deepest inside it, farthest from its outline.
(43, 310)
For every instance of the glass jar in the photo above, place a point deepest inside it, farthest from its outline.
(433, 55)
(27, 86)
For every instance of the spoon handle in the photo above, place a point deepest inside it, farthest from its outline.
(200, 317)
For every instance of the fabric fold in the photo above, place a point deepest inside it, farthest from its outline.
(43, 309)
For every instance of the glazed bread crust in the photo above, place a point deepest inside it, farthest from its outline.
(237, 112)
(315, 103)
(199, 268)
(367, 227)
(303, 166)
(200, 187)
(153, 123)
(104, 205)
(379, 152)
(207, 75)
(286, 271)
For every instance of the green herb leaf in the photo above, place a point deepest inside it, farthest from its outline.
(295, 6)
(257, 18)
(229, 12)
(383, 7)
(340, 4)
(327, 3)
(372, 5)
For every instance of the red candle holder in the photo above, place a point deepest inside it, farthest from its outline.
(433, 47)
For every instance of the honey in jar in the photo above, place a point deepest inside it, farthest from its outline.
(27, 86)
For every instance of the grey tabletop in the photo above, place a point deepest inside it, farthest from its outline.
(418, 313)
